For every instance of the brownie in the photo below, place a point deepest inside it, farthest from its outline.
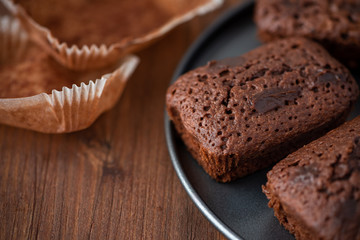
(315, 191)
(241, 114)
(333, 23)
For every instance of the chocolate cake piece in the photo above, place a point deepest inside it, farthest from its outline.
(242, 114)
(315, 191)
(333, 23)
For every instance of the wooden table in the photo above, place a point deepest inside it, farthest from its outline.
(112, 180)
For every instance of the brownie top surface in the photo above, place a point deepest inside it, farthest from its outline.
(331, 20)
(249, 103)
(320, 183)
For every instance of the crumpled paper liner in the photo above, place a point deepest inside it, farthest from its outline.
(95, 56)
(66, 110)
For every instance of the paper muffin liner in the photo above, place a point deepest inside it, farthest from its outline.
(94, 56)
(13, 40)
(68, 110)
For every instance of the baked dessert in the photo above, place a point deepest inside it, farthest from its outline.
(242, 114)
(335, 24)
(315, 191)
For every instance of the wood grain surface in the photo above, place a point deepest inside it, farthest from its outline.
(113, 180)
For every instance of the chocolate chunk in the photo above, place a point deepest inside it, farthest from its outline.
(271, 99)
(221, 66)
(327, 77)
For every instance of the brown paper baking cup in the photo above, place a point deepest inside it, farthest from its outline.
(163, 15)
(13, 41)
(25, 70)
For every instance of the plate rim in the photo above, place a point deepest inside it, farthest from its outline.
(186, 59)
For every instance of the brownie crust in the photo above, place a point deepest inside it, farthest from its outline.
(333, 23)
(242, 114)
(315, 191)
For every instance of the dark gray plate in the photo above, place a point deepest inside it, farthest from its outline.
(238, 209)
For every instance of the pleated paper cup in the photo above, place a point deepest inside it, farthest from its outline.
(38, 93)
(86, 35)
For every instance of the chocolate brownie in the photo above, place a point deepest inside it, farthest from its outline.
(333, 23)
(315, 191)
(241, 114)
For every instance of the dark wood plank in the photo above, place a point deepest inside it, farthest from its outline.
(113, 180)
